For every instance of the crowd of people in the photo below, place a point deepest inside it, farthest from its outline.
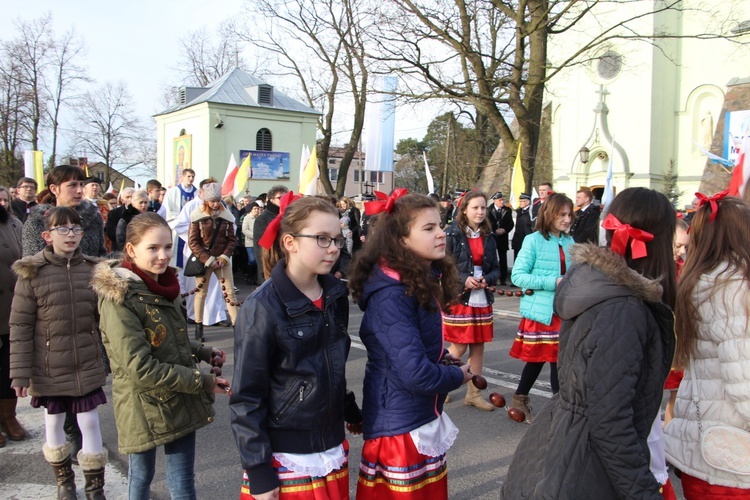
(622, 304)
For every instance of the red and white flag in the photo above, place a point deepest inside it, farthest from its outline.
(227, 186)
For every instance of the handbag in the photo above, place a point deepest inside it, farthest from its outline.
(194, 267)
(723, 447)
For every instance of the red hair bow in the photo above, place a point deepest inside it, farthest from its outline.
(624, 233)
(269, 236)
(384, 205)
(713, 201)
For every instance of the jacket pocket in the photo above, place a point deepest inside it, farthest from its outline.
(290, 400)
(165, 411)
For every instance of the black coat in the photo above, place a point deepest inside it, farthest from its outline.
(122, 227)
(289, 387)
(500, 218)
(110, 227)
(458, 246)
(524, 227)
(586, 226)
(259, 227)
(21, 209)
(616, 346)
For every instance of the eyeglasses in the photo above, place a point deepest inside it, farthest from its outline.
(64, 231)
(323, 240)
(26, 186)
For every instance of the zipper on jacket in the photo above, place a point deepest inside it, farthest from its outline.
(46, 354)
(74, 333)
(328, 363)
(288, 403)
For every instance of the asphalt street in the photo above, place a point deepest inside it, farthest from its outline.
(477, 462)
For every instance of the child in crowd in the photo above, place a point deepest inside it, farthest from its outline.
(540, 266)
(289, 399)
(55, 354)
(403, 280)
(161, 397)
(712, 315)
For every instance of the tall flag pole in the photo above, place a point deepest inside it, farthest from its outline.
(609, 192)
(517, 183)
(428, 175)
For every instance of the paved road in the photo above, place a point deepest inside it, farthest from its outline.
(477, 462)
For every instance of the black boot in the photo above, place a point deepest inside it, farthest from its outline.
(199, 332)
(59, 458)
(73, 435)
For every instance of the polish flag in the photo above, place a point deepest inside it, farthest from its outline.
(227, 186)
(741, 171)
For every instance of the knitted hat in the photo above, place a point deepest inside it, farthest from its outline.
(211, 192)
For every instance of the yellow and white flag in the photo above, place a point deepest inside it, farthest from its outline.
(517, 183)
(308, 182)
(33, 162)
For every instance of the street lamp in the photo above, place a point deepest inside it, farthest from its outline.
(584, 154)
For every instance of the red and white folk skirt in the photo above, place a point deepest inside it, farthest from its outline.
(294, 486)
(392, 469)
(468, 324)
(536, 342)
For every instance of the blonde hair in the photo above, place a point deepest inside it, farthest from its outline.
(138, 226)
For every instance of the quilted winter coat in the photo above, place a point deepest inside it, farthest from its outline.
(159, 392)
(616, 346)
(722, 370)
(54, 342)
(405, 385)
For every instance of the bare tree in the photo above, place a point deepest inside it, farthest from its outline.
(32, 53)
(13, 101)
(321, 45)
(492, 54)
(205, 56)
(107, 127)
(66, 74)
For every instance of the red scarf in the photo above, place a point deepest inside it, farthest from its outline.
(167, 286)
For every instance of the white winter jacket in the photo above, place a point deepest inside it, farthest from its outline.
(722, 370)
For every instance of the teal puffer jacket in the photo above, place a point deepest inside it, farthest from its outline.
(537, 268)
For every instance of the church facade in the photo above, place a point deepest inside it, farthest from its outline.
(644, 104)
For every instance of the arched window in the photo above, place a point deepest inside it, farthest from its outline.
(263, 140)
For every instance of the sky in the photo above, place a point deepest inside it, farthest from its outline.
(137, 42)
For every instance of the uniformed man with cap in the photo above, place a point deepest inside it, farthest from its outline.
(501, 220)
(523, 223)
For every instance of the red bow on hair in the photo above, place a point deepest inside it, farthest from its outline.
(624, 233)
(384, 205)
(269, 236)
(713, 201)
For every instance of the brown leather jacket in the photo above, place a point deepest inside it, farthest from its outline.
(202, 227)
(54, 342)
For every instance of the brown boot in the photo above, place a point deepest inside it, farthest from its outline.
(8, 420)
(93, 470)
(524, 404)
(474, 398)
(2, 440)
(59, 458)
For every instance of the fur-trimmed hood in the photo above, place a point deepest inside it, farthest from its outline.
(28, 267)
(199, 214)
(111, 282)
(598, 274)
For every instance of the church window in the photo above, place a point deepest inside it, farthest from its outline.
(263, 140)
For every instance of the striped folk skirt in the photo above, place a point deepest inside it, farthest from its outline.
(334, 486)
(468, 325)
(536, 342)
(392, 469)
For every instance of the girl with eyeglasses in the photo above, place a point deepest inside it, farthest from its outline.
(289, 398)
(55, 355)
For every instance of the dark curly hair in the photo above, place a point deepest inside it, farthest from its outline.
(384, 244)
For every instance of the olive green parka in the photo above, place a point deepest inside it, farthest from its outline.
(159, 392)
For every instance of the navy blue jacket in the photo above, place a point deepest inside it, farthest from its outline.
(289, 388)
(405, 385)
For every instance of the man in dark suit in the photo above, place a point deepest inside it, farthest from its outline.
(585, 228)
(272, 208)
(501, 220)
(524, 226)
(545, 191)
